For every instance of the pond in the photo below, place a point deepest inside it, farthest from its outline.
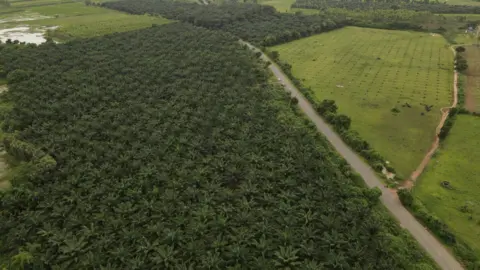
(9, 29)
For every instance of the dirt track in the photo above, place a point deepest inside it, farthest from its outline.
(436, 141)
(436, 250)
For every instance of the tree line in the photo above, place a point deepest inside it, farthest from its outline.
(173, 151)
(259, 24)
(433, 7)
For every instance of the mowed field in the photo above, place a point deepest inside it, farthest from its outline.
(72, 19)
(472, 91)
(456, 162)
(368, 72)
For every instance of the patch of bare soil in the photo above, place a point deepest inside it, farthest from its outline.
(3, 88)
(409, 183)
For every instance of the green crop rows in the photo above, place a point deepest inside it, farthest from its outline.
(369, 72)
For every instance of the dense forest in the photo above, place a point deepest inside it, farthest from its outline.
(259, 24)
(433, 7)
(172, 151)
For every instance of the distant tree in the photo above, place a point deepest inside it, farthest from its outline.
(342, 122)
(461, 65)
(274, 55)
(294, 100)
(460, 49)
(405, 197)
(327, 105)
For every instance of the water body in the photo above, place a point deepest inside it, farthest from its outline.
(23, 33)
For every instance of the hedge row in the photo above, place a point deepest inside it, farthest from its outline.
(447, 126)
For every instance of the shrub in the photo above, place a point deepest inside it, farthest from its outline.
(342, 122)
(327, 105)
(405, 197)
(294, 100)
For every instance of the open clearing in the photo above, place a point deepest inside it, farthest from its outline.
(456, 163)
(71, 19)
(472, 91)
(368, 72)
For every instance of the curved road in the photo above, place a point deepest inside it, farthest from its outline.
(389, 198)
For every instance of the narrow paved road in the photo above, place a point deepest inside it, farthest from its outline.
(389, 198)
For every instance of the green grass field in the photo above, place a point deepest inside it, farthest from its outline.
(456, 162)
(74, 20)
(368, 72)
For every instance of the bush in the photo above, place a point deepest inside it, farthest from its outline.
(460, 49)
(342, 122)
(447, 126)
(327, 105)
(405, 197)
(294, 100)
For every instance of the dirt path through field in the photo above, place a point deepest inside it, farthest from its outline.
(389, 197)
(409, 183)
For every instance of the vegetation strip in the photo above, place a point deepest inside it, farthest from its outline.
(261, 25)
(391, 5)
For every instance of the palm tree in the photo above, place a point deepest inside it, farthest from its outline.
(286, 257)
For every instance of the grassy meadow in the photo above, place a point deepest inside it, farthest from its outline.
(472, 91)
(368, 72)
(73, 19)
(456, 162)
